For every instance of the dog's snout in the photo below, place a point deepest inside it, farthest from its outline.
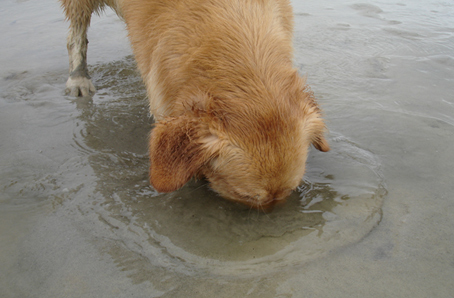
(271, 200)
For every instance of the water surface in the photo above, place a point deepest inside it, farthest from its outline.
(371, 218)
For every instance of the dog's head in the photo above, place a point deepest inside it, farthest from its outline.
(250, 152)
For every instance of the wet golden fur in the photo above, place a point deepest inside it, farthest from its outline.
(227, 101)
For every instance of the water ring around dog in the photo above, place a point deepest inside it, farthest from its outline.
(193, 229)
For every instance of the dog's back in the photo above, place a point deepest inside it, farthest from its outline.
(228, 47)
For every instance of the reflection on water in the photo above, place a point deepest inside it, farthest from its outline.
(186, 228)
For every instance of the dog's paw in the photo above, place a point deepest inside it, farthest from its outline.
(79, 86)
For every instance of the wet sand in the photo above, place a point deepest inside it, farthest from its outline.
(372, 217)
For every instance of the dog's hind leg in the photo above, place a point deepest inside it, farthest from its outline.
(78, 12)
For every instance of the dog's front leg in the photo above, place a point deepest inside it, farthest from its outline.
(79, 83)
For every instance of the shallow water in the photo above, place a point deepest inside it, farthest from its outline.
(372, 217)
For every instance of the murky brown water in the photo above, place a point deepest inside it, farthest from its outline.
(371, 219)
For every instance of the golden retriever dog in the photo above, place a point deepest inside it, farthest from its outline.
(228, 103)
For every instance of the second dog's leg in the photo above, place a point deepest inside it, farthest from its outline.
(79, 83)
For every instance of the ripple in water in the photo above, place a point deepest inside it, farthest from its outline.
(105, 188)
(193, 229)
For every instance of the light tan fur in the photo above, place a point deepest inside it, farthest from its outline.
(227, 101)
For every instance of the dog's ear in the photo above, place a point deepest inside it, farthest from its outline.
(311, 107)
(320, 143)
(304, 99)
(176, 152)
(318, 128)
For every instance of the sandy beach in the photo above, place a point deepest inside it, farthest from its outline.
(372, 218)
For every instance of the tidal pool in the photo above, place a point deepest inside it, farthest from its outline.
(371, 218)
